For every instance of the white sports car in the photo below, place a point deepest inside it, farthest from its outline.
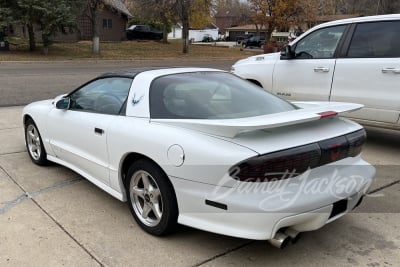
(204, 148)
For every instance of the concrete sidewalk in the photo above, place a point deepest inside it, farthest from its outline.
(50, 216)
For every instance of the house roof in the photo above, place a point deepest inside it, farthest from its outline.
(119, 6)
(248, 27)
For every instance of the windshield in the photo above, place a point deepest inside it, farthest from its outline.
(210, 95)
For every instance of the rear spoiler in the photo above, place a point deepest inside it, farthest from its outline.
(309, 111)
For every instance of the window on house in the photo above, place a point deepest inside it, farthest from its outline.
(281, 39)
(107, 23)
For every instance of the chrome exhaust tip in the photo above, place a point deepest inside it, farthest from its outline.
(294, 235)
(280, 240)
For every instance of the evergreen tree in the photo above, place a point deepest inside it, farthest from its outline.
(50, 15)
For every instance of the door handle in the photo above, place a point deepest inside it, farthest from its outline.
(98, 131)
(321, 69)
(391, 70)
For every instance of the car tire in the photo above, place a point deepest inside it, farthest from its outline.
(34, 143)
(151, 198)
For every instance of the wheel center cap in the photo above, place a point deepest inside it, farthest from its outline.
(147, 197)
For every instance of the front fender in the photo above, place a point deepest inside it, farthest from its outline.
(258, 68)
(38, 112)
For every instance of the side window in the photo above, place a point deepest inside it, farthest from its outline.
(106, 96)
(107, 23)
(320, 44)
(375, 40)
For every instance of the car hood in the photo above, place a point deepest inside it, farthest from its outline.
(259, 59)
(40, 104)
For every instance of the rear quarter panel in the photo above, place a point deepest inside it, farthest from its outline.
(207, 159)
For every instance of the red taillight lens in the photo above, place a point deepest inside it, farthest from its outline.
(278, 165)
(327, 114)
(295, 161)
(333, 149)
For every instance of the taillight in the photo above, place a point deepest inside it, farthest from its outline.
(295, 161)
(278, 165)
(356, 140)
(333, 149)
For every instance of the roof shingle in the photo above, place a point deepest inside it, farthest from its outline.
(119, 6)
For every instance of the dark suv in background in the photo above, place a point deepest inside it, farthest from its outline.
(255, 41)
(142, 32)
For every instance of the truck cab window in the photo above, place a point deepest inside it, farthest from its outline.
(321, 43)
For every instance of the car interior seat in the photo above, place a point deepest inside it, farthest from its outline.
(198, 100)
(107, 104)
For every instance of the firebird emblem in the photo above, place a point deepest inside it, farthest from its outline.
(135, 100)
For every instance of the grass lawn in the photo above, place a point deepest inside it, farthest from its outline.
(127, 50)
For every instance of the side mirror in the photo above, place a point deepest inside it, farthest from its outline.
(286, 52)
(63, 103)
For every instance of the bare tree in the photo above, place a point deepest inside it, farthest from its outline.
(93, 7)
(362, 7)
(275, 14)
(183, 8)
(171, 11)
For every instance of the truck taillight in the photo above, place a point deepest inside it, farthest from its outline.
(292, 162)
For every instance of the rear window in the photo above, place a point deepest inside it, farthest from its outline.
(210, 95)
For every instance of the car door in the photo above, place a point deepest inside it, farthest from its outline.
(78, 135)
(308, 75)
(369, 72)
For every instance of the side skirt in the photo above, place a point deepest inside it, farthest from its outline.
(108, 189)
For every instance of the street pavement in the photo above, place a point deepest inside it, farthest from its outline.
(51, 216)
(24, 82)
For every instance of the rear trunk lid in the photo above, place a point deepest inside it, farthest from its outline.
(264, 134)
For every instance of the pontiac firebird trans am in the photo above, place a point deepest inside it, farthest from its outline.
(204, 148)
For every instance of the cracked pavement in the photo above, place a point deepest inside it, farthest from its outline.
(50, 216)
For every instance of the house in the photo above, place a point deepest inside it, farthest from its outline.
(226, 18)
(176, 32)
(113, 17)
(238, 32)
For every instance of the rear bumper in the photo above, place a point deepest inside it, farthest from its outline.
(259, 210)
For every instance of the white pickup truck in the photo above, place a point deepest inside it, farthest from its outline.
(354, 60)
